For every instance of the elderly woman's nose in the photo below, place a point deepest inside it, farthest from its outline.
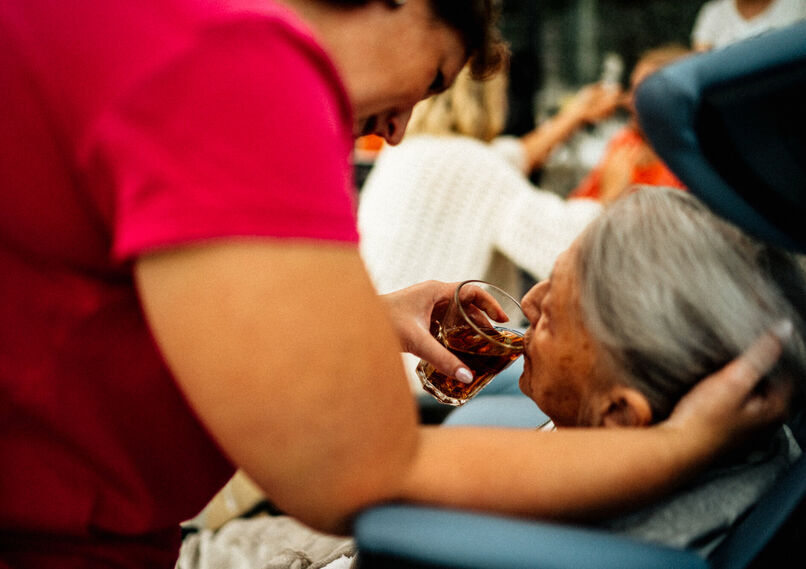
(530, 303)
(393, 129)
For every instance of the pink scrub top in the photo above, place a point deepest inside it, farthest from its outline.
(127, 127)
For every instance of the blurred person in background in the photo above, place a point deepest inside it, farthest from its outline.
(723, 22)
(453, 200)
(628, 158)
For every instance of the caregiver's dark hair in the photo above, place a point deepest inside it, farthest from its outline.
(477, 24)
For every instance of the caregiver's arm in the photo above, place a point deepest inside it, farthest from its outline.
(290, 360)
(286, 353)
(585, 473)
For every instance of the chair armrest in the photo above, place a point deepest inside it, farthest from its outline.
(417, 536)
(499, 411)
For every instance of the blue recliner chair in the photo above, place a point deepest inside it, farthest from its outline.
(732, 125)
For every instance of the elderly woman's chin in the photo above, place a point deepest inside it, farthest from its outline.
(523, 382)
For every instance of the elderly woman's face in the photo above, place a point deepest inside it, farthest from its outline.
(414, 56)
(561, 370)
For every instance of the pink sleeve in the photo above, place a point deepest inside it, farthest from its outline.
(247, 134)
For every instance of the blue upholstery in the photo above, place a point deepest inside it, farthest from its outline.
(421, 537)
(433, 537)
(500, 404)
(498, 411)
(401, 536)
(732, 125)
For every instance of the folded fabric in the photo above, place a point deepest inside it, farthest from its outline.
(264, 542)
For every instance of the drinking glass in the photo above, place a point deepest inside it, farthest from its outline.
(486, 342)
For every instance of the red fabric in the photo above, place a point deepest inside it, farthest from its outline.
(654, 173)
(129, 126)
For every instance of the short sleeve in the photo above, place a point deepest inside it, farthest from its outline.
(247, 133)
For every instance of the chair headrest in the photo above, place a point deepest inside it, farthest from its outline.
(731, 124)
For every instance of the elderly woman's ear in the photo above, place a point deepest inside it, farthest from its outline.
(622, 406)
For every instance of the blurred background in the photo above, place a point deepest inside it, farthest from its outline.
(560, 45)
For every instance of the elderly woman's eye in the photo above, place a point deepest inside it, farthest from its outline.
(438, 84)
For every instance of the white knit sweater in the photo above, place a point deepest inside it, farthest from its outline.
(453, 208)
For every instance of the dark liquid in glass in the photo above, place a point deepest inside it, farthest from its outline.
(485, 359)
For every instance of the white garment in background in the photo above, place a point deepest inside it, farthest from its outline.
(453, 208)
(719, 23)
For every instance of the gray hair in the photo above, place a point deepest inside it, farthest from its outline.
(672, 293)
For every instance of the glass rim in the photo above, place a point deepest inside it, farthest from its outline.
(470, 321)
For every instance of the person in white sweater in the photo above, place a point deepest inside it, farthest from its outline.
(453, 200)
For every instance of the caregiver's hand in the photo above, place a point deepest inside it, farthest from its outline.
(725, 407)
(412, 310)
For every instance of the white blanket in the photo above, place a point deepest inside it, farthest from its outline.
(265, 542)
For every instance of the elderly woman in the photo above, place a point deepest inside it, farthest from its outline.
(628, 159)
(656, 293)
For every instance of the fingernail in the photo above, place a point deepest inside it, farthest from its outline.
(783, 329)
(463, 374)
